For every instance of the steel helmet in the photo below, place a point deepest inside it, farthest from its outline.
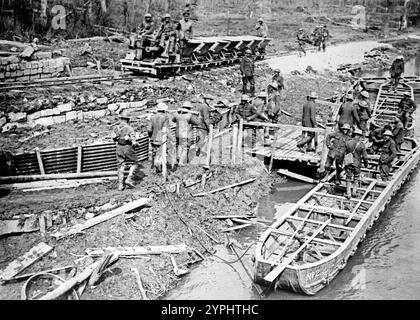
(148, 15)
(262, 94)
(407, 94)
(401, 57)
(300, 29)
(167, 16)
(313, 95)
(364, 94)
(124, 115)
(363, 103)
(245, 97)
(358, 131)
(276, 70)
(388, 133)
(248, 51)
(161, 106)
(345, 126)
(274, 85)
(187, 105)
(260, 20)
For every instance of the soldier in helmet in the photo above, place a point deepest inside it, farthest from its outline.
(336, 143)
(167, 35)
(397, 132)
(247, 69)
(278, 78)
(301, 39)
(184, 29)
(262, 28)
(323, 37)
(357, 148)
(387, 155)
(376, 136)
(125, 137)
(348, 113)
(406, 107)
(364, 113)
(155, 131)
(396, 70)
(273, 102)
(144, 32)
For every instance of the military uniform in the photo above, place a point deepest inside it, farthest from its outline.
(348, 114)
(358, 149)
(262, 30)
(364, 113)
(336, 152)
(124, 136)
(308, 120)
(167, 35)
(397, 69)
(405, 108)
(278, 78)
(203, 124)
(247, 70)
(323, 37)
(301, 39)
(185, 32)
(377, 138)
(387, 156)
(398, 134)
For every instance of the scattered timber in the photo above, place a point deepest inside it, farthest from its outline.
(296, 176)
(208, 235)
(238, 216)
(139, 283)
(79, 278)
(56, 176)
(28, 275)
(224, 188)
(127, 252)
(102, 218)
(21, 263)
(238, 227)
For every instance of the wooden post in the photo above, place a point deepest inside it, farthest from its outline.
(207, 165)
(164, 147)
(40, 163)
(220, 150)
(234, 143)
(273, 150)
(240, 140)
(79, 159)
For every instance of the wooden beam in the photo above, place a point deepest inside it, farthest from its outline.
(371, 186)
(102, 218)
(296, 176)
(334, 212)
(341, 198)
(28, 275)
(320, 222)
(79, 159)
(40, 162)
(164, 148)
(224, 188)
(209, 147)
(25, 261)
(316, 240)
(136, 251)
(55, 176)
(283, 126)
(237, 228)
(233, 216)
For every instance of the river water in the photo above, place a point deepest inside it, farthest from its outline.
(385, 266)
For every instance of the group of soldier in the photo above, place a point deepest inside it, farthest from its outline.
(171, 36)
(318, 38)
(347, 148)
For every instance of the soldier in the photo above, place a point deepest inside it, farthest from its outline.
(184, 120)
(301, 39)
(398, 132)
(146, 29)
(247, 71)
(348, 113)
(397, 69)
(377, 138)
(203, 125)
(336, 152)
(406, 107)
(357, 148)
(125, 138)
(154, 130)
(309, 121)
(364, 113)
(387, 156)
(278, 78)
(262, 28)
(273, 102)
(246, 110)
(184, 29)
(323, 36)
(167, 35)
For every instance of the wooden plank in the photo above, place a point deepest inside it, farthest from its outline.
(316, 240)
(209, 147)
(327, 210)
(9, 227)
(102, 218)
(240, 141)
(208, 235)
(283, 126)
(164, 148)
(136, 251)
(40, 163)
(224, 188)
(237, 228)
(28, 275)
(98, 174)
(283, 265)
(25, 261)
(79, 159)
(332, 196)
(296, 176)
(233, 216)
(336, 226)
(234, 143)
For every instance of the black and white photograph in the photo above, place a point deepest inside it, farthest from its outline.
(162, 151)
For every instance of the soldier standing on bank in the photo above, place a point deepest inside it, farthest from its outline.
(301, 39)
(262, 28)
(309, 121)
(406, 107)
(387, 155)
(247, 69)
(396, 70)
(125, 137)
